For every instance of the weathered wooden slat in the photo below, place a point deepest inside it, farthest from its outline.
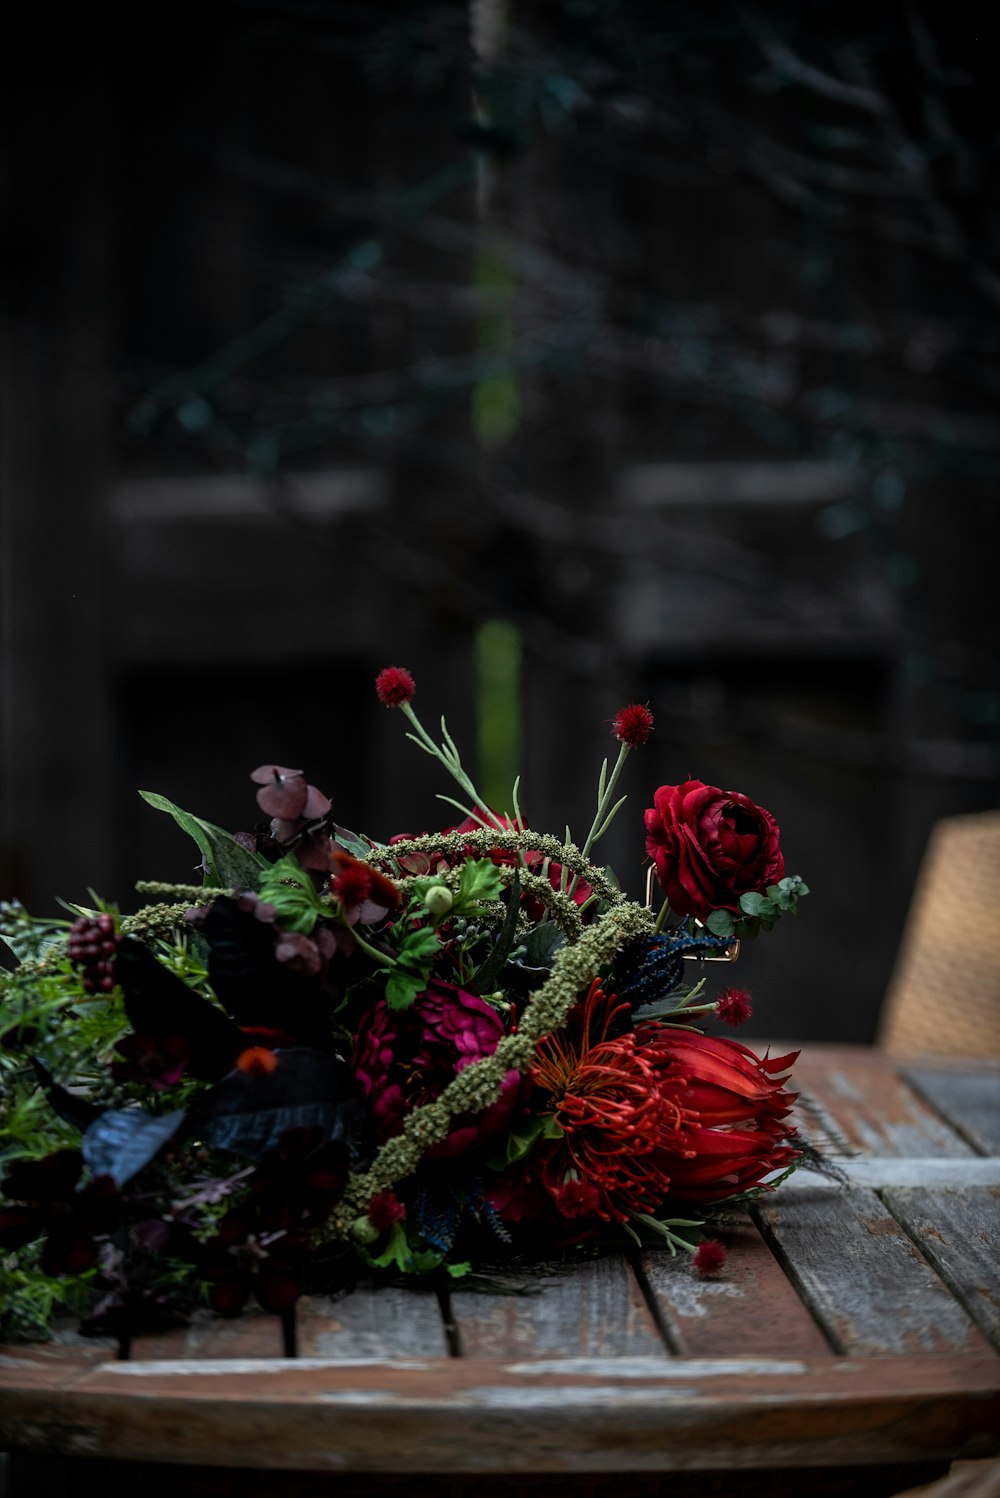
(457, 1415)
(958, 1230)
(254, 1334)
(869, 1105)
(372, 1323)
(969, 1099)
(878, 1171)
(594, 1309)
(750, 1310)
(861, 1275)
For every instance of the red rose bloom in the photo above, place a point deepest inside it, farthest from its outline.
(710, 847)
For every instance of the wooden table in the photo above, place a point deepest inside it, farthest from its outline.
(850, 1346)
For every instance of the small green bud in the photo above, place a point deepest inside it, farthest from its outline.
(438, 900)
(363, 1231)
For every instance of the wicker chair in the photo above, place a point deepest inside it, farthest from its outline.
(944, 996)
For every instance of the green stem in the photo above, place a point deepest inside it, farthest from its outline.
(601, 820)
(604, 803)
(661, 919)
(446, 756)
(382, 958)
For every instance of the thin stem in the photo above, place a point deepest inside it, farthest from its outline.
(382, 958)
(447, 754)
(661, 919)
(598, 826)
(605, 813)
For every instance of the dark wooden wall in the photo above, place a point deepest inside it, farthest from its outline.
(198, 575)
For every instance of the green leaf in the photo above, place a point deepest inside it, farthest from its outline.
(288, 887)
(419, 948)
(402, 988)
(541, 945)
(480, 882)
(487, 975)
(224, 862)
(721, 923)
(754, 904)
(520, 1142)
(360, 847)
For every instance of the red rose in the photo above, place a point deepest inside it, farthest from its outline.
(710, 847)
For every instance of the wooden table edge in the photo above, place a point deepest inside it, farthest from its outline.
(468, 1416)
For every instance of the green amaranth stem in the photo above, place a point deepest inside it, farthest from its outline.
(574, 969)
(504, 840)
(198, 894)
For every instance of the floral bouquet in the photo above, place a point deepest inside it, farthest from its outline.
(337, 1056)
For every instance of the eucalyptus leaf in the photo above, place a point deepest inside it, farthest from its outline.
(224, 861)
(721, 923)
(753, 903)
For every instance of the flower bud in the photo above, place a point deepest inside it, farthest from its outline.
(438, 900)
(364, 1231)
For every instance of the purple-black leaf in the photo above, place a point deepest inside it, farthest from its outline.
(160, 1005)
(122, 1141)
(260, 992)
(248, 1112)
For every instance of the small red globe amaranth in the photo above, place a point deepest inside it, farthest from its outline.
(384, 1210)
(395, 686)
(709, 1257)
(733, 1006)
(633, 724)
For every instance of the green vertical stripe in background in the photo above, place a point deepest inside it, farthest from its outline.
(498, 705)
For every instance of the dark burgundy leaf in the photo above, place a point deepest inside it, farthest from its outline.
(283, 793)
(248, 1113)
(66, 1105)
(257, 989)
(160, 1005)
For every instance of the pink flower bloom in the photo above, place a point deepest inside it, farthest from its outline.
(405, 1058)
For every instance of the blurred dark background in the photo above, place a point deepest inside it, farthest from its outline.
(568, 353)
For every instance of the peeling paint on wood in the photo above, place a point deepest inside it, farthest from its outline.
(865, 1281)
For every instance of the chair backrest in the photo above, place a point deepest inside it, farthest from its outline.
(944, 996)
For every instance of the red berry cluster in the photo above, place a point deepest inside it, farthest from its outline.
(93, 942)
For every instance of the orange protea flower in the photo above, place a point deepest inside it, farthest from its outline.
(617, 1125)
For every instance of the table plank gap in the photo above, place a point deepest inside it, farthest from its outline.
(867, 1284)
(861, 1097)
(969, 1101)
(590, 1309)
(958, 1231)
(384, 1321)
(750, 1310)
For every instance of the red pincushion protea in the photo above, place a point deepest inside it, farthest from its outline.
(617, 1125)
